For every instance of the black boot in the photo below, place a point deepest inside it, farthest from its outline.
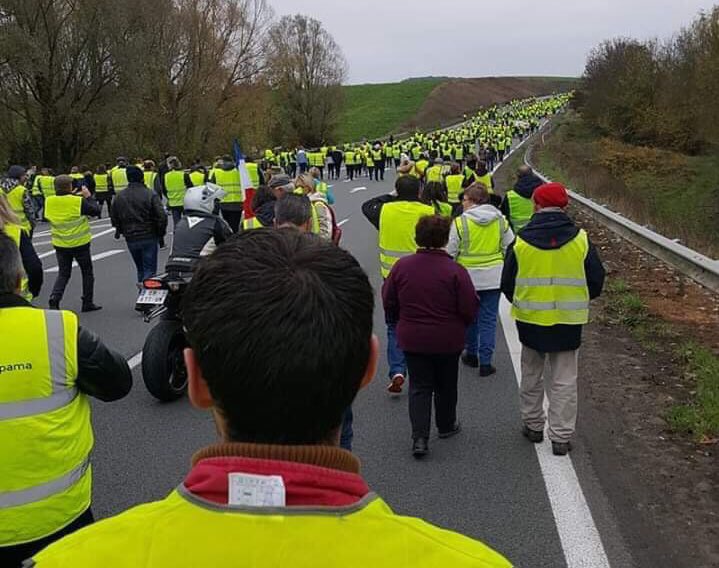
(420, 447)
(90, 307)
(486, 370)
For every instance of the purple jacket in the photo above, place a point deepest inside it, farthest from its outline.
(432, 299)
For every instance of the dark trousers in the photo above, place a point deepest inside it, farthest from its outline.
(350, 171)
(14, 556)
(144, 255)
(176, 215)
(303, 167)
(292, 170)
(104, 197)
(432, 374)
(233, 218)
(38, 202)
(65, 256)
(338, 170)
(379, 170)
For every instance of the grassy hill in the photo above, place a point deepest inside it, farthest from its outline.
(372, 111)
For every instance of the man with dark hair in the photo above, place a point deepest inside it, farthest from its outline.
(293, 211)
(396, 218)
(67, 211)
(49, 365)
(517, 204)
(277, 479)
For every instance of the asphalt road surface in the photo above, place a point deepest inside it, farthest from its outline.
(488, 482)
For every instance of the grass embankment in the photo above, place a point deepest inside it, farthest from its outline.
(676, 194)
(698, 416)
(373, 111)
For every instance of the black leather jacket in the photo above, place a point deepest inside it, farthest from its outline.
(196, 235)
(137, 213)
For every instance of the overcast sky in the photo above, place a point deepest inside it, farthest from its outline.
(390, 40)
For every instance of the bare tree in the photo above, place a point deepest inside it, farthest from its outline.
(307, 70)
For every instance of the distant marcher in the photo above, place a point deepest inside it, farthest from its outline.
(103, 188)
(478, 240)
(550, 274)
(175, 188)
(322, 216)
(517, 204)
(67, 212)
(432, 299)
(138, 215)
(227, 176)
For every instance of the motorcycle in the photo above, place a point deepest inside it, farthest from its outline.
(163, 364)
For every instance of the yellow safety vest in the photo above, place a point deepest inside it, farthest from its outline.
(254, 172)
(551, 285)
(480, 246)
(184, 531)
(69, 228)
(231, 183)
(521, 210)
(433, 174)
(421, 166)
(16, 199)
(454, 187)
(45, 429)
(149, 178)
(102, 184)
(175, 187)
(253, 223)
(15, 233)
(397, 223)
(486, 179)
(43, 184)
(119, 178)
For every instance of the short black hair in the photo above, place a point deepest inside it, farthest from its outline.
(281, 323)
(432, 231)
(407, 186)
(293, 209)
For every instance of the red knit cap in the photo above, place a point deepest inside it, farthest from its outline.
(551, 195)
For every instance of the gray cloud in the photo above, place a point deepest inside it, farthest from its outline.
(390, 40)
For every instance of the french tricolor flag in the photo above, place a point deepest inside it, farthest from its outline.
(245, 181)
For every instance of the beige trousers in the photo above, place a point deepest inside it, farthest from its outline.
(560, 386)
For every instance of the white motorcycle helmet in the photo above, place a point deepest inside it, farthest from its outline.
(203, 198)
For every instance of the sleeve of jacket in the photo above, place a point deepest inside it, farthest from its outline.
(467, 302)
(372, 208)
(116, 214)
(390, 296)
(594, 269)
(32, 264)
(509, 273)
(454, 240)
(504, 208)
(90, 207)
(507, 235)
(102, 373)
(158, 213)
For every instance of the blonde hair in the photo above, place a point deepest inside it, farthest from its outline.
(306, 182)
(7, 215)
(315, 172)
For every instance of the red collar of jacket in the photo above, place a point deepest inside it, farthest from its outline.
(321, 476)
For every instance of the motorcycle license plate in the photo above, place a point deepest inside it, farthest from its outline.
(152, 297)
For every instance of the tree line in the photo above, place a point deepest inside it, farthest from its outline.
(657, 93)
(86, 80)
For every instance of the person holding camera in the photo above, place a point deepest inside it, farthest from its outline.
(67, 212)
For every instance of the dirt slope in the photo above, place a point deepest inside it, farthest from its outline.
(451, 99)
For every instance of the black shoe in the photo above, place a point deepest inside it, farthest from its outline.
(534, 436)
(454, 431)
(561, 448)
(470, 360)
(420, 447)
(91, 307)
(486, 370)
(54, 304)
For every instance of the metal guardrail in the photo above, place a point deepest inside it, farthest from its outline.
(697, 266)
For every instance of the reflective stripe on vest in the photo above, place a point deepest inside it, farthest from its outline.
(68, 226)
(480, 245)
(454, 187)
(119, 179)
(230, 181)
(45, 428)
(397, 223)
(521, 210)
(551, 285)
(175, 187)
(253, 223)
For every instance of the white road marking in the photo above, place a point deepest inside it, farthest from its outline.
(135, 360)
(342, 222)
(578, 534)
(347, 181)
(95, 257)
(356, 189)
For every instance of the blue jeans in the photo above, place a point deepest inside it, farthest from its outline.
(480, 338)
(347, 432)
(395, 356)
(144, 255)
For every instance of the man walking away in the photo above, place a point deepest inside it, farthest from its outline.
(550, 274)
(103, 188)
(277, 476)
(517, 205)
(227, 176)
(13, 184)
(478, 240)
(50, 366)
(67, 214)
(174, 183)
(138, 215)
